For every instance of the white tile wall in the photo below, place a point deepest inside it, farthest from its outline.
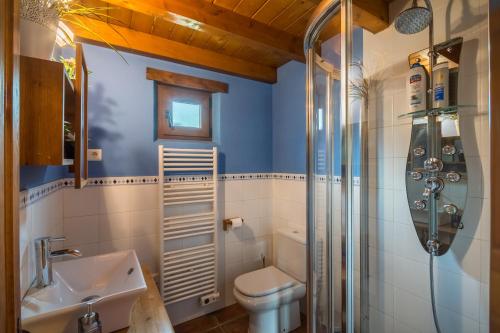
(95, 220)
(245, 246)
(101, 219)
(43, 218)
(399, 281)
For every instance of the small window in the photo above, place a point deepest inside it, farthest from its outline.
(183, 113)
(186, 114)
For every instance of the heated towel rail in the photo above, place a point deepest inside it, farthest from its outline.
(188, 195)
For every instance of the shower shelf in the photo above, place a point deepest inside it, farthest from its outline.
(449, 110)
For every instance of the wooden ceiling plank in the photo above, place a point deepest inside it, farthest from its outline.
(186, 81)
(228, 4)
(204, 16)
(249, 7)
(143, 43)
(270, 10)
(291, 14)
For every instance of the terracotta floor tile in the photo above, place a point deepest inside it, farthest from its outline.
(230, 313)
(197, 325)
(236, 326)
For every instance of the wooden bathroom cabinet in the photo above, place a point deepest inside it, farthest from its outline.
(53, 120)
(80, 167)
(47, 103)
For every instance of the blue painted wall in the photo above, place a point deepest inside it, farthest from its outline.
(257, 127)
(33, 176)
(289, 119)
(121, 117)
(289, 128)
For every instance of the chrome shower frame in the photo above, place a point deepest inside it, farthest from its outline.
(321, 16)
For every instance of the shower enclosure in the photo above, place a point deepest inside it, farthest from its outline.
(368, 239)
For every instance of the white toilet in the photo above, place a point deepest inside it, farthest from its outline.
(271, 295)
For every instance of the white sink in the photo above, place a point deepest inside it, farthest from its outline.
(115, 277)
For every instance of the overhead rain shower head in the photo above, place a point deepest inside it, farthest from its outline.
(413, 20)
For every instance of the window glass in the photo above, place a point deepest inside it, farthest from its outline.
(186, 114)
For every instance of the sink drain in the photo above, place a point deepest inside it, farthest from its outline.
(90, 298)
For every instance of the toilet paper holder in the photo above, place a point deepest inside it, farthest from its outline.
(227, 222)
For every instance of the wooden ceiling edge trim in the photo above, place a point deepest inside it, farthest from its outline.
(186, 81)
(138, 42)
(371, 15)
(204, 16)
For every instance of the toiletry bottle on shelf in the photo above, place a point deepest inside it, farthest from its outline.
(416, 88)
(441, 84)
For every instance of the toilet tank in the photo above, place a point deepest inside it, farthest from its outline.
(291, 252)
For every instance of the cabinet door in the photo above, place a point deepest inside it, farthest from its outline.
(81, 92)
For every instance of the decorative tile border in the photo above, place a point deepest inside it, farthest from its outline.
(103, 181)
(187, 178)
(31, 195)
(289, 176)
(245, 176)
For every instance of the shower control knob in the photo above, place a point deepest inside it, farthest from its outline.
(453, 176)
(420, 204)
(449, 150)
(419, 151)
(415, 175)
(450, 209)
(433, 164)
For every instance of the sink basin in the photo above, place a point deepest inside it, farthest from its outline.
(115, 280)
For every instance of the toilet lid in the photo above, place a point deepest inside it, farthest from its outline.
(263, 282)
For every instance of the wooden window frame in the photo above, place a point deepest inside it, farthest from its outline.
(165, 96)
(185, 86)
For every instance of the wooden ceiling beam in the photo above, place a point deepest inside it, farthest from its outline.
(204, 16)
(143, 43)
(371, 15)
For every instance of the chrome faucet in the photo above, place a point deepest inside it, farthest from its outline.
(44, 256)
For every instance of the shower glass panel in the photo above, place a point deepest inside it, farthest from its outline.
(334, 127)
(326, 209)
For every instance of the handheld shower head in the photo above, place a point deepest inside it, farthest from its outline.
(413, 20)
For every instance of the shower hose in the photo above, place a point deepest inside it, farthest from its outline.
(433, 297)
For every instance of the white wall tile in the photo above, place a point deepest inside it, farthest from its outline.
(143, 197)
(81, 202)
(114, 245)
(81, 230)
(147, 250)
(115, 199)
(114, 226)
(144, 222)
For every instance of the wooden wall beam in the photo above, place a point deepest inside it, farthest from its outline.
(143, 43)
(204, 16)
(186, 81)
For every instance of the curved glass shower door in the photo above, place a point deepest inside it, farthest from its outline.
(369, 266)
(334, 125)
(325, 212)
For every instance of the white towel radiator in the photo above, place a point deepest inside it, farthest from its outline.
(188, 230)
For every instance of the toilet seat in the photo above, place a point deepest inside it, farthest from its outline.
(263, 282)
